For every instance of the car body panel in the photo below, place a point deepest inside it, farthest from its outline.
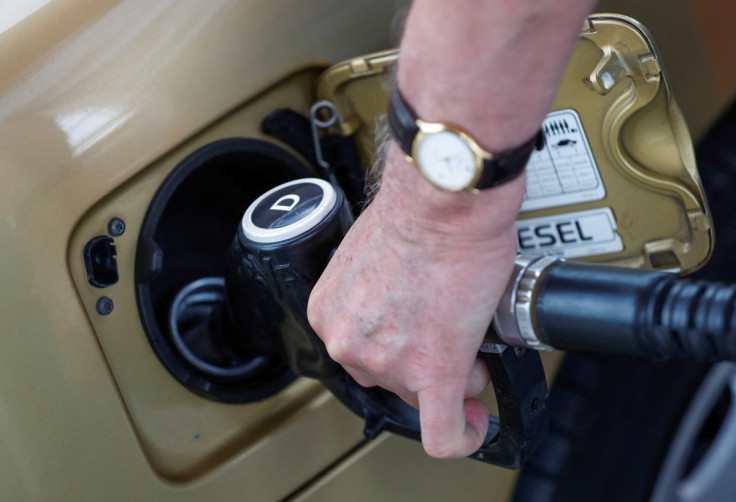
(114, 86)
(92, 93)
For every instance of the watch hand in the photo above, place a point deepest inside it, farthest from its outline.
(452, 160)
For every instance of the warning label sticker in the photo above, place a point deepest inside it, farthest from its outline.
(571, 235)
(564, 172)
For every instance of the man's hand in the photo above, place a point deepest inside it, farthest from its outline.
(406, 301)
(408, 297)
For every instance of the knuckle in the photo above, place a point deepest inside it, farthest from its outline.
(315, 313)
(339, 350)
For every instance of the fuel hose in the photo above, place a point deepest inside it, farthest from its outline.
(557, 304)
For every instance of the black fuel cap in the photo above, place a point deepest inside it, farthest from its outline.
(289, 210)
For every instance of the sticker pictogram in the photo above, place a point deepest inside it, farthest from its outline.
(564, 172)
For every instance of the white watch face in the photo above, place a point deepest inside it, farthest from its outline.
(446, 160)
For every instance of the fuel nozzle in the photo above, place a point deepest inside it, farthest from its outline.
(283, 244)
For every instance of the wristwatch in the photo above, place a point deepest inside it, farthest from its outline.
(448, 157)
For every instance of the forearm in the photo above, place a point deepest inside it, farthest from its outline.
(498, 75)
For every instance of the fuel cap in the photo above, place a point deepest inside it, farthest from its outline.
(289, 210)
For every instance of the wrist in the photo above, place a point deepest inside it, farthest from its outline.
(413, 204)
(449, 157)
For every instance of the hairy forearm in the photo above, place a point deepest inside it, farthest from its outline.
(496, 78)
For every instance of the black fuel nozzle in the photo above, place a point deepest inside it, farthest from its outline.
(288, 235)
(283, 244)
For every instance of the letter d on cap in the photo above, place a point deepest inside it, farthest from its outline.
(286, 203)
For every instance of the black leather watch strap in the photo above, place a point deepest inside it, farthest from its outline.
(402, 121)
(509, 164)
(501, 167)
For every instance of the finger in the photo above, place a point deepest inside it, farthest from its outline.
(452, 427)
(476, 414)
(478, 380)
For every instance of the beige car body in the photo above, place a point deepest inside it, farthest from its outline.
(98, 101)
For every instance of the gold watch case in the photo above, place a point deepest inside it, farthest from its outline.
(430, 130)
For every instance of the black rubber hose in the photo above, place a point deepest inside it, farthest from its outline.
(656, 315)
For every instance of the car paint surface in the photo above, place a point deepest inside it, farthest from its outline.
(91, 93)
